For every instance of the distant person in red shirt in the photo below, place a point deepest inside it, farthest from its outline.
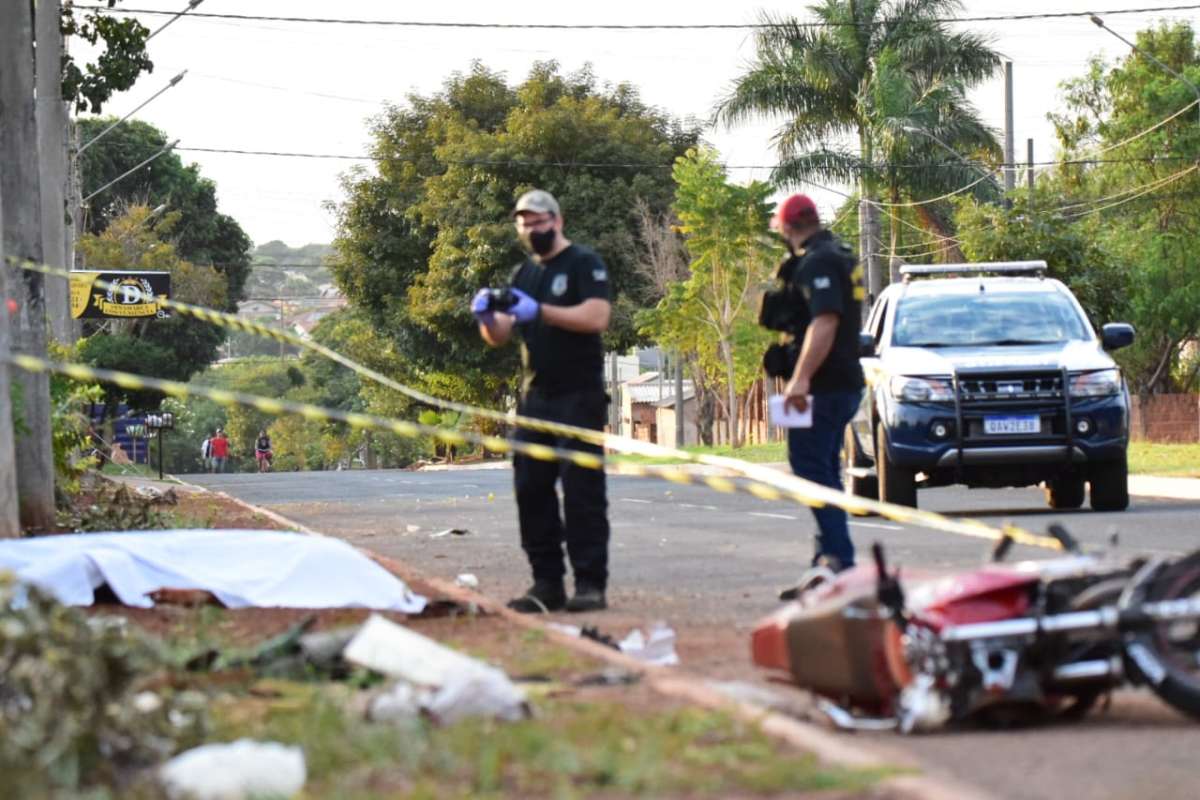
(220, 450)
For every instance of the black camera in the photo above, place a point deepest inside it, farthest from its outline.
(777, 311)
(780, 359)
(500, 299)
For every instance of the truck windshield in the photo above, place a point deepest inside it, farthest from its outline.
(986, 318)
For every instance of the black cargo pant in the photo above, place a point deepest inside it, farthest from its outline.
(584, 524)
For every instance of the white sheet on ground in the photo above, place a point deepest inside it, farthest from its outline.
(241, 568)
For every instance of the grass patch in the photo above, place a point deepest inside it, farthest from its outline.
(775, 452)
(570, 749)
(1157, 458)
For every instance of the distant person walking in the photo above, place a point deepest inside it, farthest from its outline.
(220, 450)
(206, 454)
(262, 451)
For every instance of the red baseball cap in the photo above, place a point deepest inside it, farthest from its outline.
(799, 209)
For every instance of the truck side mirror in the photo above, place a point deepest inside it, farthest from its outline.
(1116, 335)
(866, 345)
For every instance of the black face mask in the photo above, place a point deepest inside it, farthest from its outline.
(539, 242)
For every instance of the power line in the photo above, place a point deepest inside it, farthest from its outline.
(619, 27)
(646, 165)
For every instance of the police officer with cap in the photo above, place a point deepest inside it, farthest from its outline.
(819, 304)
(560, 305)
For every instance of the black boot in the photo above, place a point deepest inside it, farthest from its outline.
(541, 598)
(587, 598)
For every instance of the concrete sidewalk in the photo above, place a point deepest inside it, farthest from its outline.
(1170, 488)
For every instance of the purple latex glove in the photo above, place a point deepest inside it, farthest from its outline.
(479, 305)
(526, 309)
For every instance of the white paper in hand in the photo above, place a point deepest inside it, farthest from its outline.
(788, 417)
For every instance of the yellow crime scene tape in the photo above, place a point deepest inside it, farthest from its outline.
(762, 482)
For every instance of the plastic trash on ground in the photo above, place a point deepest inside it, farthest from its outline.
(239, 770)
(656, 647)
(467, 580)
(433, 680)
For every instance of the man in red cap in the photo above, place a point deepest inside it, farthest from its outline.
(819, 306)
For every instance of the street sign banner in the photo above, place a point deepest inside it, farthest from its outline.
(131, 294)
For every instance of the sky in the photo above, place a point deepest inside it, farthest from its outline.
(312, 88)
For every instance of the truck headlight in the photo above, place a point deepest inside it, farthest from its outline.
(1102, 383)
(922, 390)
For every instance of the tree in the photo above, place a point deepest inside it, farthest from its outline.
(203, 235)
(711, 313)
(887, 73)
(1141, 201)
(174, 348)
(116, 69)
(418, 237)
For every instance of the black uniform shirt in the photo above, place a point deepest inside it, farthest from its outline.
(558, 360)
(829, 282)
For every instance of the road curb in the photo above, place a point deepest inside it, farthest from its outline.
(837, 749)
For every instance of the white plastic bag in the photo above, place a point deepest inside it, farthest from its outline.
(441, 682)
(239, 770)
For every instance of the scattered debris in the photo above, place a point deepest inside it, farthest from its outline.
(236, 771)
(593, 633)
(450, 532)
(467, 581)
(656, 647)
(612, 676)
(439, 682)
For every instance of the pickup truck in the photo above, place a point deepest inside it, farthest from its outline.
(989, 375)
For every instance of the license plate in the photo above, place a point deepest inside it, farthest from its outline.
(1015, 424)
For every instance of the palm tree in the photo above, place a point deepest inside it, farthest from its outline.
(887, 73)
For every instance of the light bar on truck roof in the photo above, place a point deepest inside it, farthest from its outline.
(978, 268)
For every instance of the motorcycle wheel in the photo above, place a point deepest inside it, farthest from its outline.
(1167, 657)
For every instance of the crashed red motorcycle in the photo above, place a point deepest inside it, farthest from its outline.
(1003, 644)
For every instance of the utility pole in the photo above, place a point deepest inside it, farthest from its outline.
(680, 403)
(614, 410)
(868, 249)
(22, 237)
(10, 524)
(1010, 178)
(52, 125)
(1029, 172)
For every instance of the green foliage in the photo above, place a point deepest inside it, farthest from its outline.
(416, 240)
(712, 315)
(1138, 207)
(201, 235)
(890, 74)
(195, 420)
(1073, 252)
(76, 711)
(69, 424)
(118, 66)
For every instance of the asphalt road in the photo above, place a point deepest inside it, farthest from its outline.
(710, 564)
